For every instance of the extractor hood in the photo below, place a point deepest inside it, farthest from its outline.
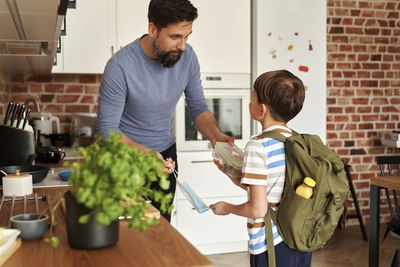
(29, 34)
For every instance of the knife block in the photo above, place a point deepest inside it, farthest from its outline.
(17, 146)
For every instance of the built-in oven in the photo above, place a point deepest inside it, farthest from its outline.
(227, 97)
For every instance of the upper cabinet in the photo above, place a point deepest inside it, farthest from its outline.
(88, 42)
(29, 33)
(221, 35)
(98, 28)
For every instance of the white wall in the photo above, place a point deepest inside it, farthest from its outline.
(284, 23)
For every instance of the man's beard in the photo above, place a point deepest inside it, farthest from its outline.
(165, 57)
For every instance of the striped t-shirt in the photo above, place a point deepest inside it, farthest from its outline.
(264, 164)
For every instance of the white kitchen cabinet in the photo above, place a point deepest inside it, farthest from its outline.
(221, 35)
(87, 45)
(209, 233)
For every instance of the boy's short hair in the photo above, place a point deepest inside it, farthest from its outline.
(282, 92)
(165, 12)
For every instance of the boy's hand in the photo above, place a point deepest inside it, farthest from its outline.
(220, 208)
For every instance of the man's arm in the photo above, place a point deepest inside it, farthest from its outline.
(207, 125)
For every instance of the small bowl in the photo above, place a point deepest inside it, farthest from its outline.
(32, 226)
(65, 175)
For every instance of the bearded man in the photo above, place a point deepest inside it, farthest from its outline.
(143, 82)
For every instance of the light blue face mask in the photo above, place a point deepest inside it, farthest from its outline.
(191, 196)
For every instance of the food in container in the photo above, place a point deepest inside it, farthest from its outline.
(231, 157)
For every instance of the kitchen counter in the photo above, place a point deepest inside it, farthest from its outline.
(159, 245)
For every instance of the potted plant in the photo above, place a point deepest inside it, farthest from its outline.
(112, 181)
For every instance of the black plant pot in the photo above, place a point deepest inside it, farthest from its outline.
(90, 235)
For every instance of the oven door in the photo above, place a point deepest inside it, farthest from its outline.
(230, 109)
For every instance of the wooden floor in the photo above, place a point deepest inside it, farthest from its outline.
(346, 248)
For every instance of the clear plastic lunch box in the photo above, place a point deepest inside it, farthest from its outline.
(231, 157)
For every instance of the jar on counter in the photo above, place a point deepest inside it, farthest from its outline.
(306, 189)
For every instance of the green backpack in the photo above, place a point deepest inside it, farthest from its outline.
(306, 224)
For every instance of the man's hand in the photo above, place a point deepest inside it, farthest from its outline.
(221, 137)
(169, 164)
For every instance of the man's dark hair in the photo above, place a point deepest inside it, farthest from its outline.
(165, 12)
(282, 92)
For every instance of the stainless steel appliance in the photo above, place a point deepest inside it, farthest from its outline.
(228, 96)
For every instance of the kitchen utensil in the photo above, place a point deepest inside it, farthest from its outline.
(47, 155)
(38, 172)
(14, 113)
(28, 111)
(32, 226)
(9, 108)
(17, 146)
(20, 115)
(44, 123)
(17, 184)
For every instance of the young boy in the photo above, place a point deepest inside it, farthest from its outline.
(277, 98)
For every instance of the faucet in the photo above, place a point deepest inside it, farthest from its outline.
(33, 101)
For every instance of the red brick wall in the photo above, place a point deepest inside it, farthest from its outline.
(59, 94)
(363, 86)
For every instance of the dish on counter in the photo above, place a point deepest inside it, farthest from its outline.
(65, 175)
(9, 238)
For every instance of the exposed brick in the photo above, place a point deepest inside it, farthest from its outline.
(46, 98)
(360, 101)
(54, 88)
(353, 30)
(371, 31)
(74, 89)
(87, 78)
(67, 98)
(359, 22)
(92, 89)
(40, 79)
(369, 83)
(77, 108)
(359, 48)
(18, 88)
(378, 74)
(335, 30)
(65, 78)
(393, 15)
(381, 40)
(357, 152)
(89, 99)
(355, 118)
(54, 108)
(35, 88)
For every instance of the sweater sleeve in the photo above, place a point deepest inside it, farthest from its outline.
(112, 98)
(194, 91)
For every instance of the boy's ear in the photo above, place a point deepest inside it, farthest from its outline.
(264, 110)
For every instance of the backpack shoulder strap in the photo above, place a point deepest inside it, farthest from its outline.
(270, 238)
(275, 134)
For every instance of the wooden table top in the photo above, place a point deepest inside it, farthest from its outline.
(159, 245)
(390, 182)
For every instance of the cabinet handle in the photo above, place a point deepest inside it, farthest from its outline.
(112, 50)
(201, 161)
